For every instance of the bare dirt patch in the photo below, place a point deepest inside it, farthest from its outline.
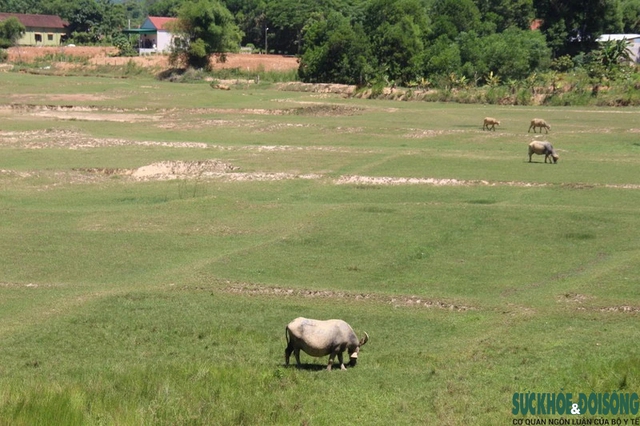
(622, 308)
(396, 301)
(30, 54)
(385, 181)
(573, 298)
(96, 56)
(420, 133)
(69, 139)
(168, 170)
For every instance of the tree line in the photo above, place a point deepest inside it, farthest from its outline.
(395, 42)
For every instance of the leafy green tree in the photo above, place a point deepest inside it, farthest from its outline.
(90, 21)
(164, 8)
(135, 11)
(503, 14)
(511, 55)
(516, 53)
(21, 6)
(114, 19)
(397, 30)
(334, 51)
(83, 15)
(208, 28)
(251, 17)
(10, 31)
(572, 26)
(451, 17)
(286, 19)
(630, 10)
(442, 57)
(124, 46)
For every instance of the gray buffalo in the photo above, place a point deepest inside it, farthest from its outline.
(543, 148)
(319, 338)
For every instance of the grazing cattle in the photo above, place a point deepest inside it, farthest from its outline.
(543, 147)
(489, 121)
(539, 122)
(319, 338)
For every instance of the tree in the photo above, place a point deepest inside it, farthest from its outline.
(10, 31)
(90, 21)
(451, 17)
(511, 55)
(286, 19)
(165, 8)
(334, 51)
(572, 26)
(507, 13)
(207, 27)
(21, 6)
(251, 17)
(397, 30)
(442, 57)
(630, 15)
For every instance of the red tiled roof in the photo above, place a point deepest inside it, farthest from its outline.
(160, 22)
(39, 21)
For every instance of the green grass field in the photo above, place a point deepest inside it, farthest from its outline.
(128, 300)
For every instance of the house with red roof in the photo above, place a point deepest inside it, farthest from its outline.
(41, 30)
(155, 35)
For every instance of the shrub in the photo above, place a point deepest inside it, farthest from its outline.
(124, 46)
(523, 97)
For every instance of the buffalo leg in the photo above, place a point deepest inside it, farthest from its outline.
(342, 367)
(330, 364)
(287, 354)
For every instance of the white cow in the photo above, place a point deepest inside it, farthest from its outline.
(319, 338)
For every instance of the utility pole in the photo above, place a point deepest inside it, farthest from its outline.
(266, 43)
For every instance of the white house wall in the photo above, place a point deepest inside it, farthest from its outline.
(635, 50)
(164, 41)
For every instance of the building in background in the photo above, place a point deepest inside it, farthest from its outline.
(155, 35)
(41, 30)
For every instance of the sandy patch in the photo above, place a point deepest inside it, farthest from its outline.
(75, 113)
(421, 133)
(168, 170)
(623, 308)
(68, 139)
(91, 116)
(384, 181)
(71, 97)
